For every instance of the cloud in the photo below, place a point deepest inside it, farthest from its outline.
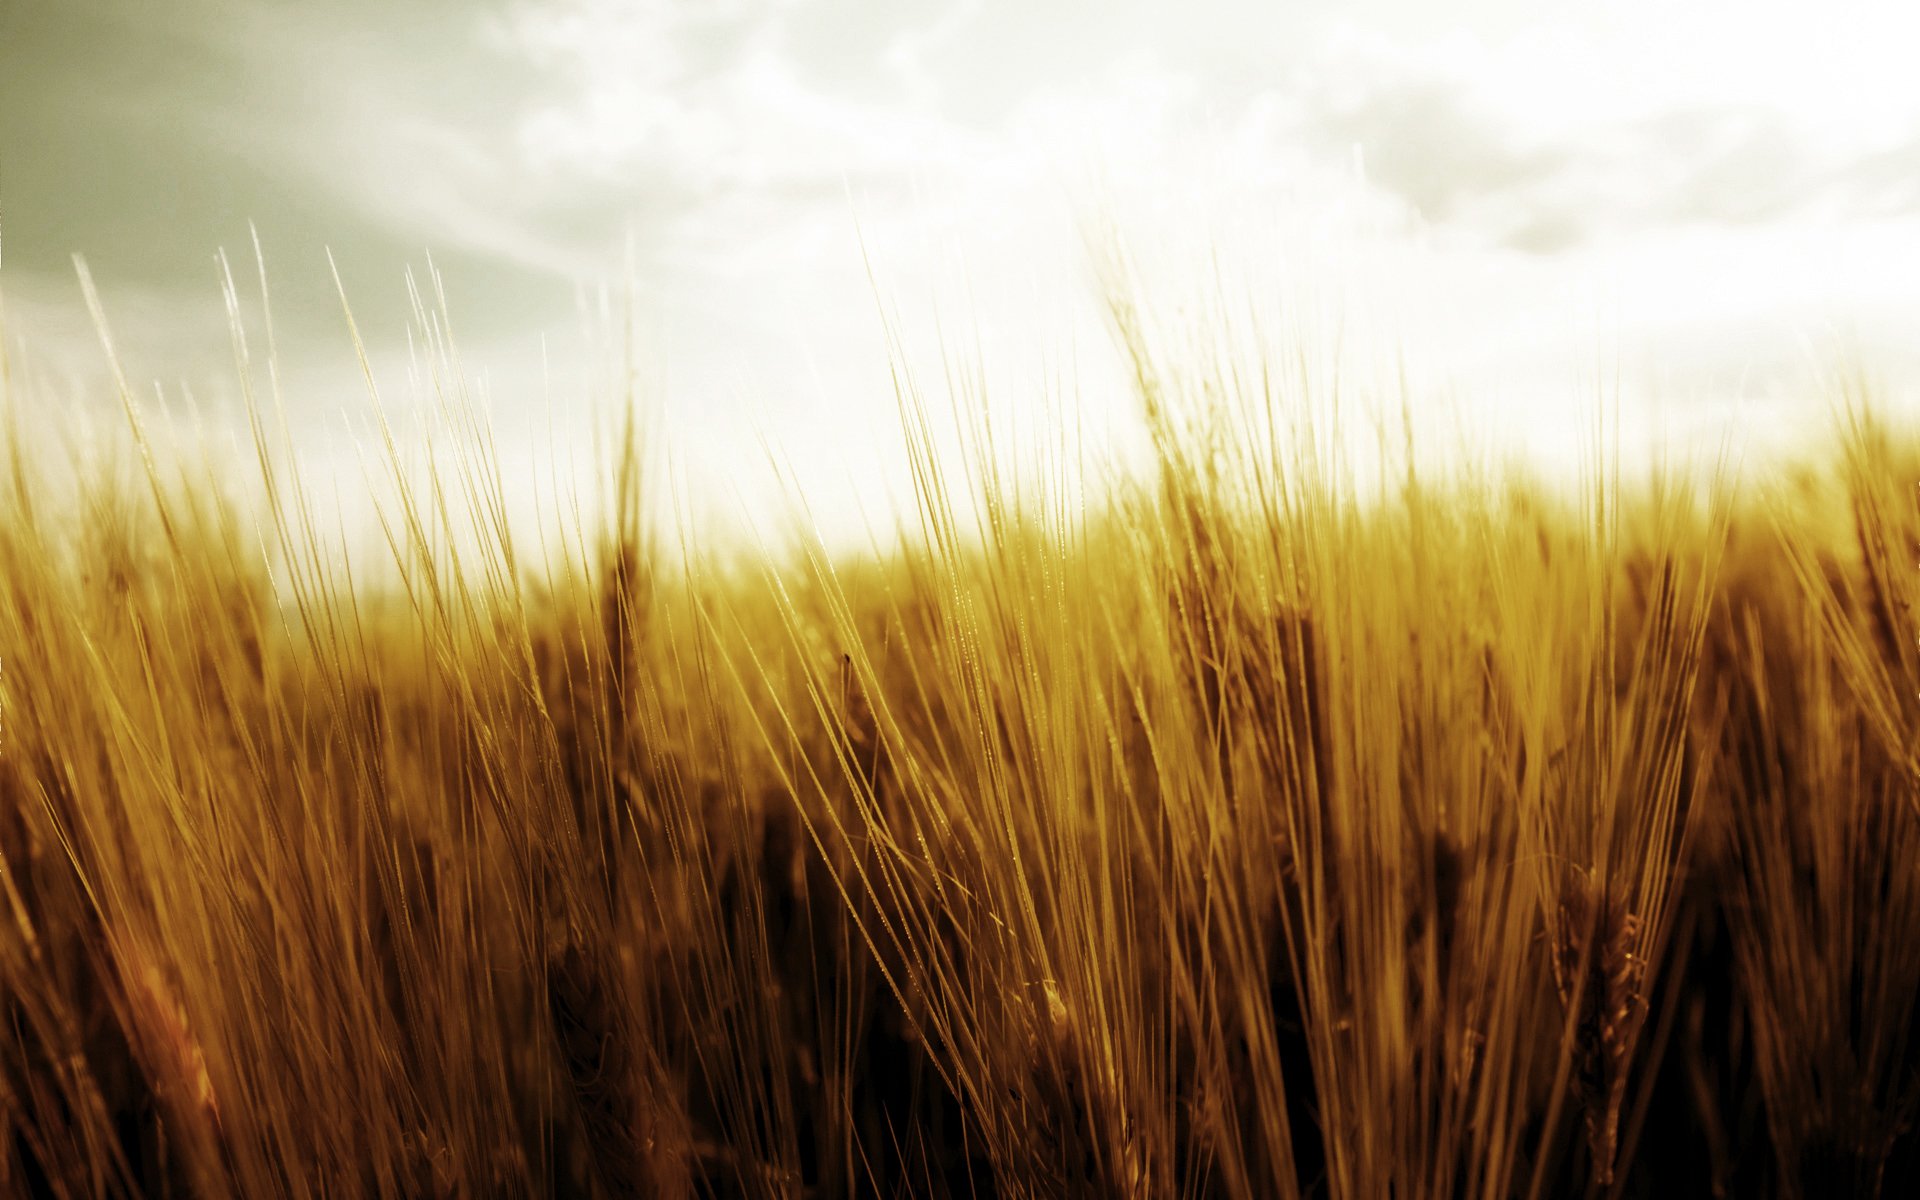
(1440, 128)
(760, 155)
(146, 138)
(1887, 181)
(1422, 140)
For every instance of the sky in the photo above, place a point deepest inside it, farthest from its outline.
(1691, 206)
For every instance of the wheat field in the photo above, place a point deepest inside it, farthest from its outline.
(1248, 833)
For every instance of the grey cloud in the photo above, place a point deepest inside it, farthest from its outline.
(146, 137)
(1546, 231)
(1468, 172)
(1421, 141)
(1888, 181)
(1731, 166)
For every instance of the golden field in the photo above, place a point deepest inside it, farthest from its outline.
(1250, 834)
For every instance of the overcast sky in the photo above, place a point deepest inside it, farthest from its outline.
(1708, 195)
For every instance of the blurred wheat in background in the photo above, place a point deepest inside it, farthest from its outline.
(1246, 829)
